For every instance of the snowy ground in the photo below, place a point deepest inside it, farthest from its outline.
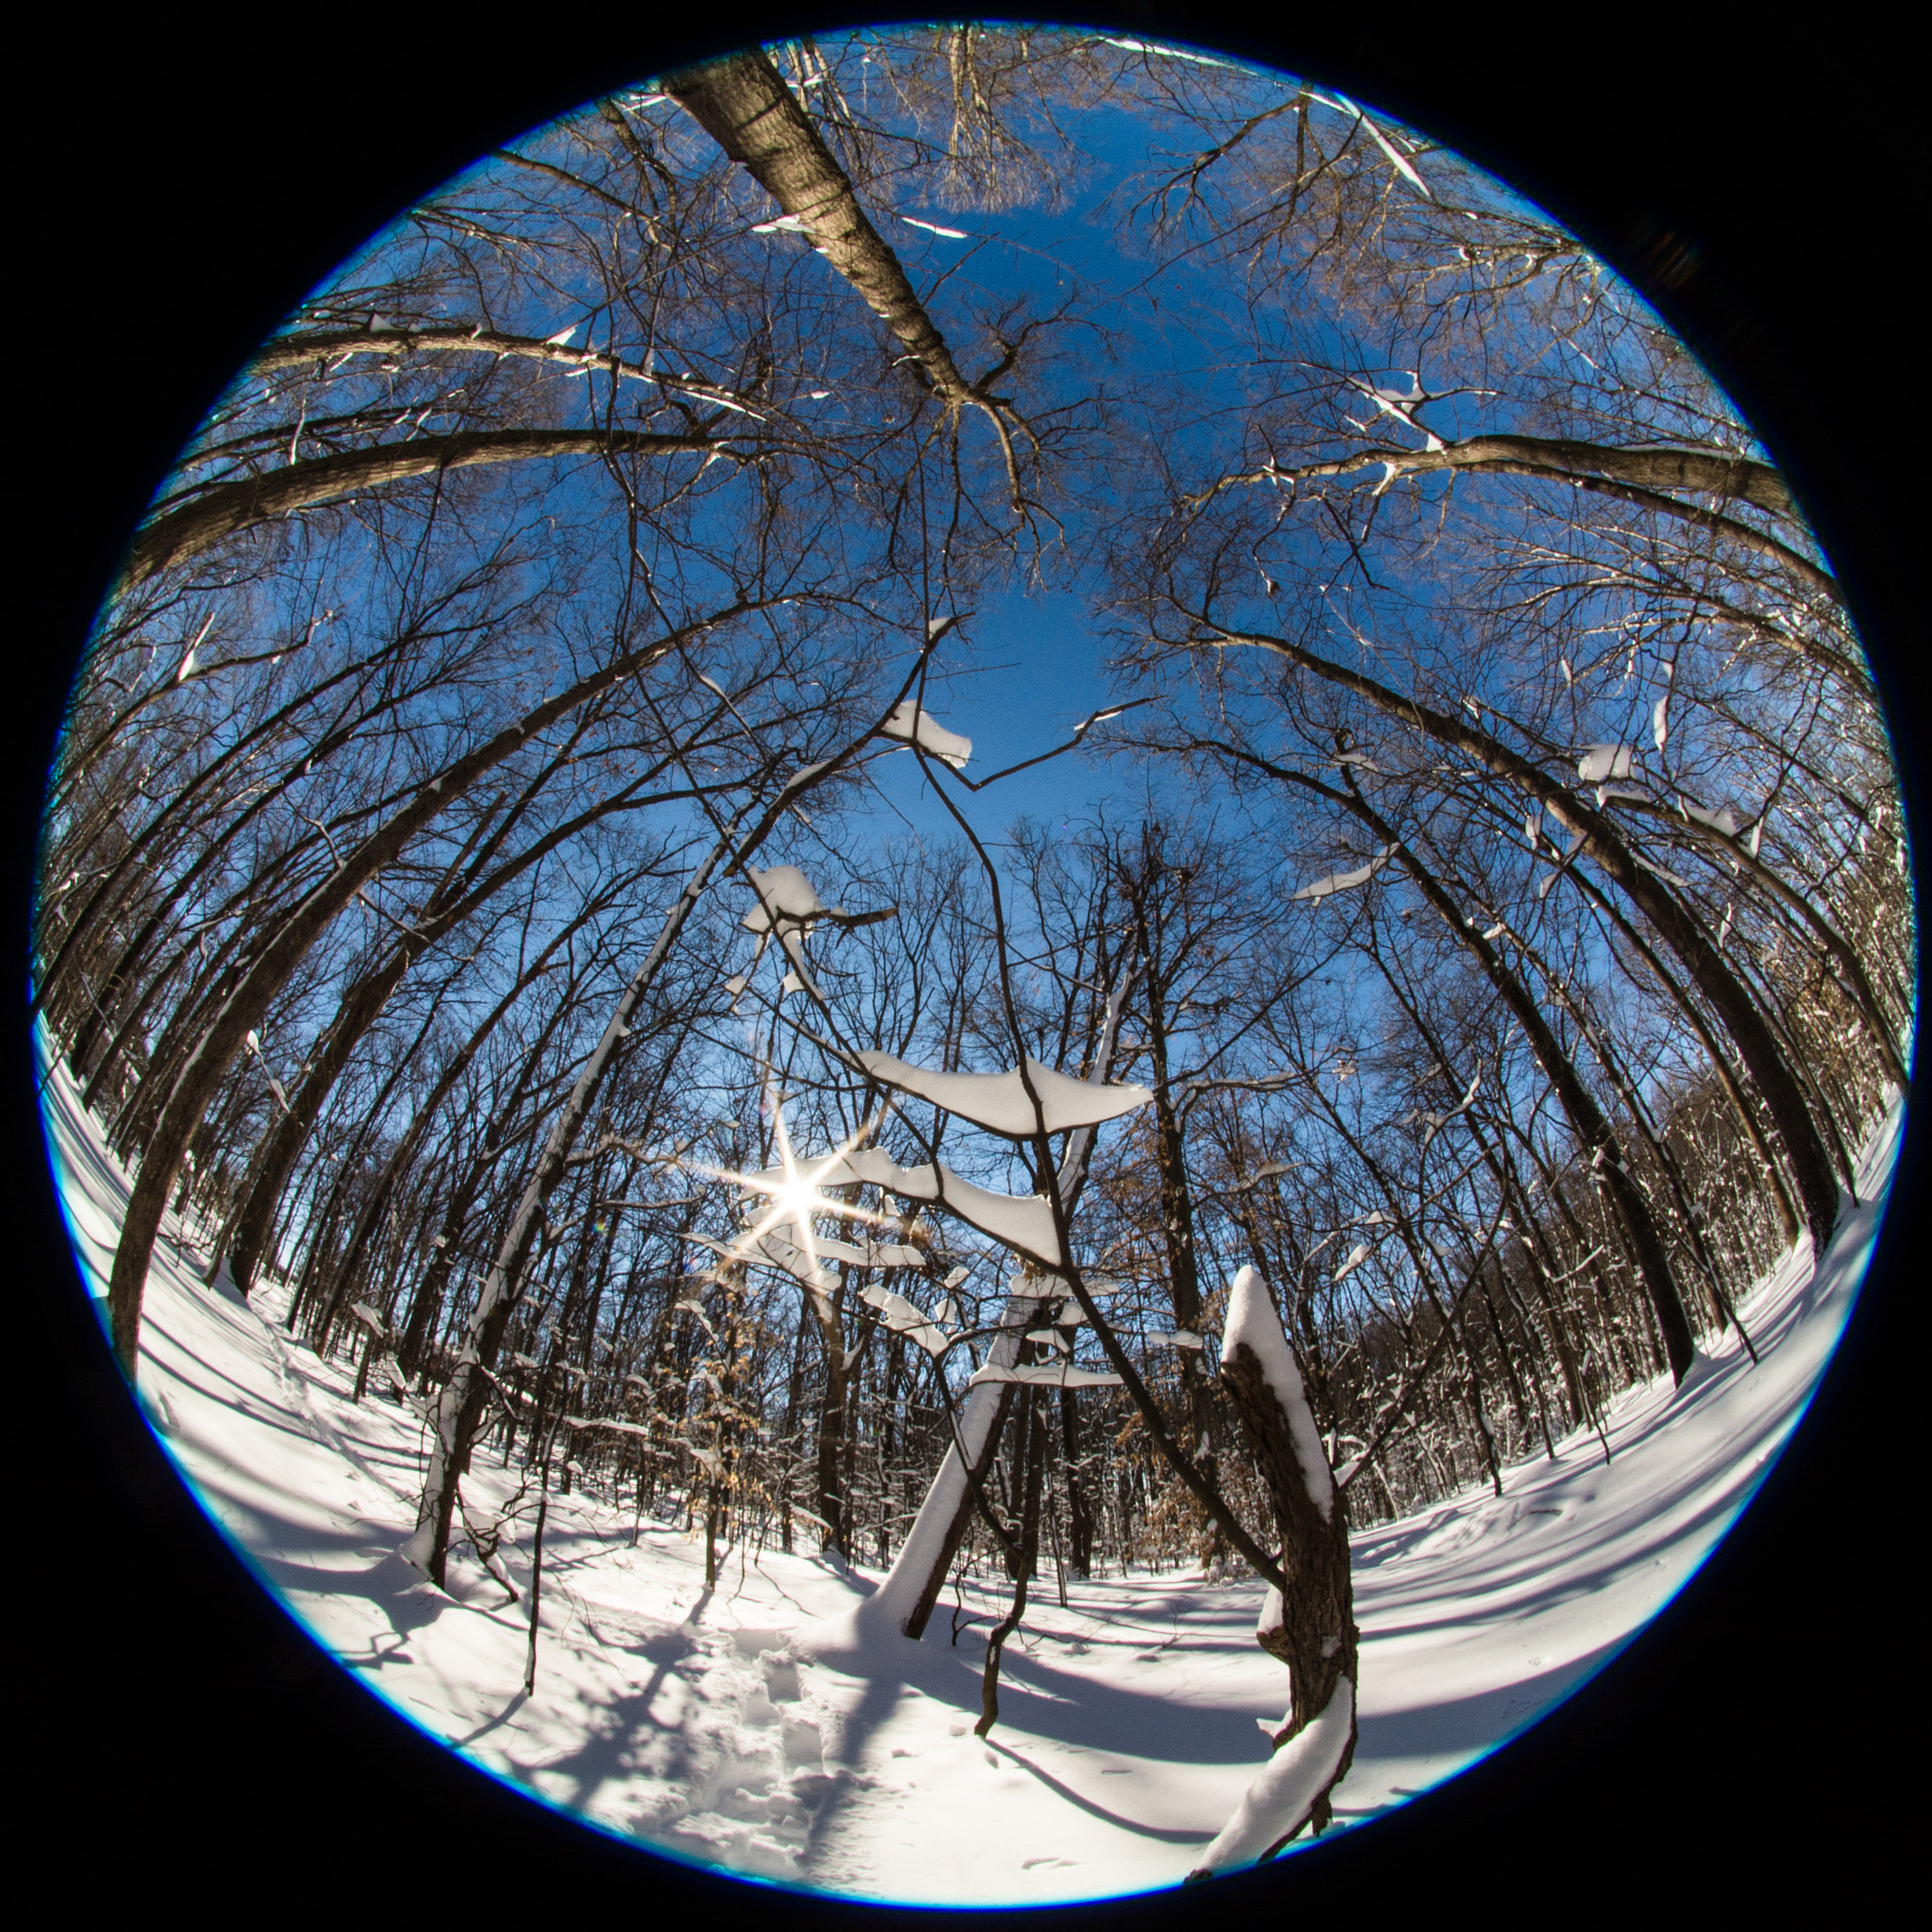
(1129, 1720)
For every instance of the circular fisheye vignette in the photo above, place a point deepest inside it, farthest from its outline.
(1009, 1317)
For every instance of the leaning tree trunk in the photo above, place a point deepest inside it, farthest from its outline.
(246, 1005)
(905, 1599)
(1587, 1119)
(1597, 839)
(460, 1407)
(743, 103)
(357, 1014)
(226, 510)
(1310, 1624)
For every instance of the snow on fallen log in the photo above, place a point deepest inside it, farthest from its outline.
(914, 725)
(1282, 1799)
(999, 1102)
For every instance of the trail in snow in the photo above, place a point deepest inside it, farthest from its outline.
(1128, 1725)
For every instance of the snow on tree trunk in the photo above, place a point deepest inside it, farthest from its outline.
(1311, 1626)
(1296, 1783)
(903, 1601)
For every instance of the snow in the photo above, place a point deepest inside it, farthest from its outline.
(1279, 1801)
(1165, 53)
(1601, 761)
(786, 897)
(905, 1318)
(1048, 1375)
(1254, 1325)
(1023, 1222)
(1127, 1742)
(1724, 820)
(1357, 1256)
(1344, 881)
(1401, 403)
(911, 722)
(999, 1103)
(869, 1623)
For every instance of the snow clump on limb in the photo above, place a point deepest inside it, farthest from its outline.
(786, 898)
(1000, 1103)
(911, 722)
(1346, 881)
(1602, 761)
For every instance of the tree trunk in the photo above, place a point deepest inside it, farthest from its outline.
(249, 1002)
(1681, 932)
(1310, 1623)
(224, 509)
(743, 103)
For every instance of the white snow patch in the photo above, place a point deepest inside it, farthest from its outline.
(999, 1103)
(1601, 761)
(916, 726)
(786, 898)
(1344, 881)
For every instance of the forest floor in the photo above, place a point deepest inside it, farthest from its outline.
(1130, 1719)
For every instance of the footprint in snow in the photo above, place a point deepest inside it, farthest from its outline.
(753, 1811)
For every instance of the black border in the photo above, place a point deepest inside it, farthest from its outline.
(183, 183)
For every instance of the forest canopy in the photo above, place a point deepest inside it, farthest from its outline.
(982, 755)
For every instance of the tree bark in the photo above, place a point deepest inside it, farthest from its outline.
(743, 103)
(1632, 476)
(224, 509)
